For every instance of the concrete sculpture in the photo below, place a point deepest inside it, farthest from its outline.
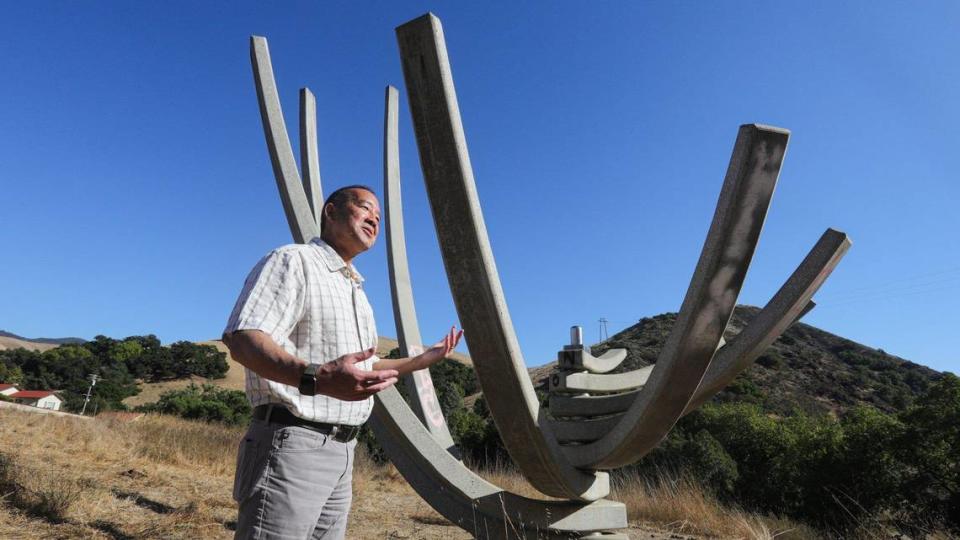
(596, 420)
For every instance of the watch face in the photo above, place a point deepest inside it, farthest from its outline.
(308, 381)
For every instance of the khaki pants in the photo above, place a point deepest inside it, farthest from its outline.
(292, 483)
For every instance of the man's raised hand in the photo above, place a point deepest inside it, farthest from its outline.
(441, 349)
(342, 379)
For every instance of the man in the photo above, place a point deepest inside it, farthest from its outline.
(305, 332)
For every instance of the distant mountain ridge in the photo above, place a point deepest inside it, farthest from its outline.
(45, 341)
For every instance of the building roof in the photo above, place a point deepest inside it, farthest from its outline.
(5, 386)
(32, 394)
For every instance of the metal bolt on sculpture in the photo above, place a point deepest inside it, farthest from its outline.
(596, 420)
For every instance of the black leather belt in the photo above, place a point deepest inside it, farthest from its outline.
(278, 414)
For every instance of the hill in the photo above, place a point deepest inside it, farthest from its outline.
(28, 342)
(7, 342)
(806, 368)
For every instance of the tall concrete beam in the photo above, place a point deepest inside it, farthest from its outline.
(790, 302)
(303, 226)
(707, 306)
(309, 157)
(472, 272)
(424, 402)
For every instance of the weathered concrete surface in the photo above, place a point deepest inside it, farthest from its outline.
(309, 158)
(790, 302)
(471, 270)
(299, 215)
(424, 400)
(568, 406)
(707, 306)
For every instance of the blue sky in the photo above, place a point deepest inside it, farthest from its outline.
(137, 189)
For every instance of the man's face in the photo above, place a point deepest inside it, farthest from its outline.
(356, 225)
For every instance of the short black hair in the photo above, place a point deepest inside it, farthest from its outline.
(340, 198)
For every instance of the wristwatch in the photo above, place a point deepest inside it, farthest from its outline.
(308, 380)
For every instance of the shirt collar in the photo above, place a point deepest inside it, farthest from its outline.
(335, 262)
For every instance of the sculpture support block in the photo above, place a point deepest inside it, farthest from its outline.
(578, 358)
(597, 383)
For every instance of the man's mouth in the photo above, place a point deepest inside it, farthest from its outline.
(367, 230)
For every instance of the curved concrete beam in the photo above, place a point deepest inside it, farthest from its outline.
(786, 306)
(597, 383)
(578, 358)
(471, 270)
(707, 306)
(302, 224)
(587, 406)
(424, 401)
(309, 159)
(452, 489)
(468, 500)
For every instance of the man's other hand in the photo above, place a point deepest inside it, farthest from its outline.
(441, 349)
(342, 379)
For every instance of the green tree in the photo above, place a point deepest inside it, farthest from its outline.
(931, 446)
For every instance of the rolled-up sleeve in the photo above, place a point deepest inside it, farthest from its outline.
(272, 299)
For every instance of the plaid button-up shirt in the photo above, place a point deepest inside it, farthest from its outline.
(312, 304)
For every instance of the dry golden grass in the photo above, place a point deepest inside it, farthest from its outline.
(153, 478)
(682, 506)
(162, 477)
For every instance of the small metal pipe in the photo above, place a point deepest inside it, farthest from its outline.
(576, 336)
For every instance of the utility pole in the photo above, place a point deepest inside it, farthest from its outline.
(604, 334)
(93, 382)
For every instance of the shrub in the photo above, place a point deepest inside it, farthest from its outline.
(207, 403)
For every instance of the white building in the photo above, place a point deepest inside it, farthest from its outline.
(44, 399)
(7, 389)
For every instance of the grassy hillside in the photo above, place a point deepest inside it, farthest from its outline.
(9, 342)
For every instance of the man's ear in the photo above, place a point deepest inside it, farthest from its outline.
(330, 211)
